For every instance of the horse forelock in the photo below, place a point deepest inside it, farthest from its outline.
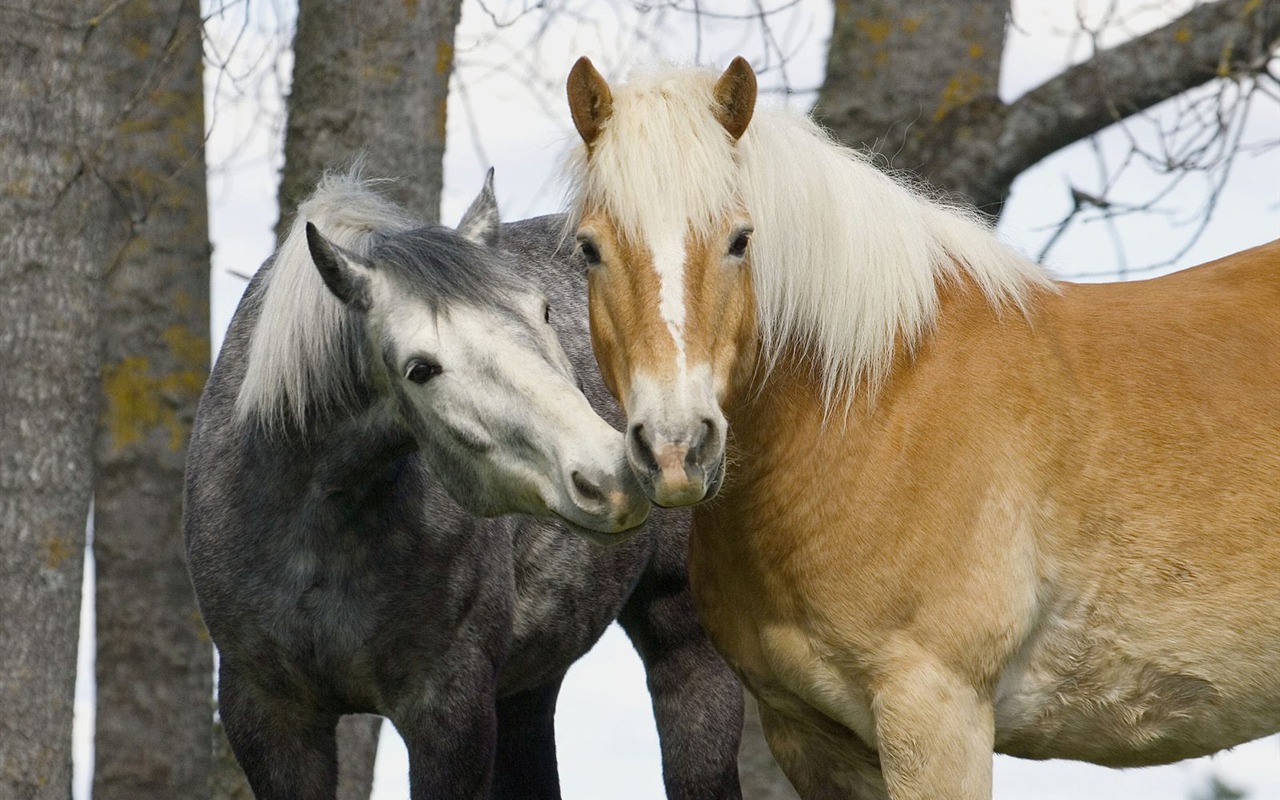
(661, 159)
(846, 260)
(301, 349)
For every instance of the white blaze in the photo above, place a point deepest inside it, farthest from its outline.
(674, 404)
(667, 249)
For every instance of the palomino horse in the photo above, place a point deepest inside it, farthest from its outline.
(968, 508)
(381, 382)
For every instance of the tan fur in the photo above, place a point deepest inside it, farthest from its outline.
(590, 101)
(1059, 536)
(1050, 526)
(623, 292)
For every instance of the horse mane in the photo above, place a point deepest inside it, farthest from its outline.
(846, 260)
(304, 343)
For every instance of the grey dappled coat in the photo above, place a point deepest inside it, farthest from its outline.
(337, 576)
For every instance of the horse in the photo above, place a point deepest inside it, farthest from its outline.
(385, 390)
(945, 504)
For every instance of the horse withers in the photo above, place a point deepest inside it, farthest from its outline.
(958, 506)
(381, 385)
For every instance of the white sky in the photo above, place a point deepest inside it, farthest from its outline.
(607, 741)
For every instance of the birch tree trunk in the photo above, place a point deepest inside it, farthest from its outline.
(55, 218)
(154, 659)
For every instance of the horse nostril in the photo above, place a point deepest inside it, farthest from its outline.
(641, 450)
(704, 435)
(588, 490)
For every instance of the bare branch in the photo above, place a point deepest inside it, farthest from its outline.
(1220, 39)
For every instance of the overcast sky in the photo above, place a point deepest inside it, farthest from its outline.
(607, 741)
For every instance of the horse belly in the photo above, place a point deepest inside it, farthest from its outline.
(1089, 693)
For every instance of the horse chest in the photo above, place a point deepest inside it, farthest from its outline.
(566, 593)
(761, 619)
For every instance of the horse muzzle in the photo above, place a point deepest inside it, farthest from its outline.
(606, 502)
(677, 469)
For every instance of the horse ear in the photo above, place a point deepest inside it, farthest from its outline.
(590, 101)
(346, 279)
(736, 97)
(480, 222)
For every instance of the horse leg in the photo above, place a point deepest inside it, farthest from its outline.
(935, 732)
(852, 773)
(697, 700)
(286, 751)
(525, 766)
(451, 734)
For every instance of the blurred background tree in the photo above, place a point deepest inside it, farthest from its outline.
(56, 242)
(154, 663)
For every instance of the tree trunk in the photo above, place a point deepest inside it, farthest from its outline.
(358, 746)
(904, 76)
(371, 78)
(154, 661)
(54, 241)
(227, 781)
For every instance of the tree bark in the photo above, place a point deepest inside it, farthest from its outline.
(358, 746)
(901, 73)
(154, 659)
(227, 781)
(55, 218)
(1226, 39)
(371, 78)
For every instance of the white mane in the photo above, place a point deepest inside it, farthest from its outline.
(297, 353)
(845, 259)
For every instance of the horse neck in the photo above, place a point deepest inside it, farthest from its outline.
(783, 426)
(776, 419)
(782, 408)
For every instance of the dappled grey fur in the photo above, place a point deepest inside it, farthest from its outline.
(336, 576)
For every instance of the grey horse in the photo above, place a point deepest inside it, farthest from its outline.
(384, 391)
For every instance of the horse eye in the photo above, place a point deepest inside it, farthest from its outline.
(739, 246)
(422, 371)
(589, 251)
(546, 313)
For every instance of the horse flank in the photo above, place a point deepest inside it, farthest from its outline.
(299, 351)
(846, 260)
